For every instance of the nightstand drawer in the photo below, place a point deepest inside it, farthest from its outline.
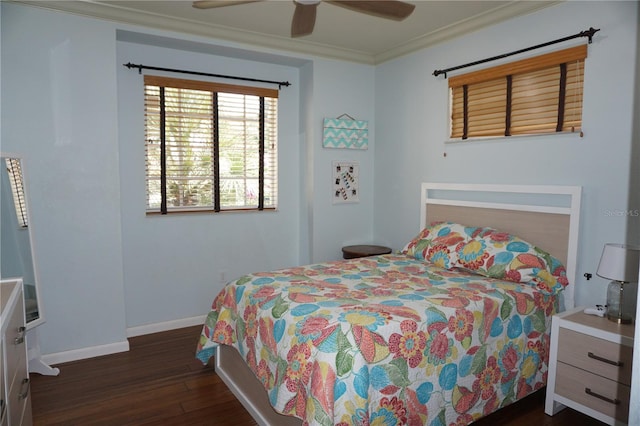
(601, 357)
(603, 395)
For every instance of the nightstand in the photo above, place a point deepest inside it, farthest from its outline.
(352, 252)
(590, 366)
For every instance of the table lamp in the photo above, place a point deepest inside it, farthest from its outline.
(619, 263)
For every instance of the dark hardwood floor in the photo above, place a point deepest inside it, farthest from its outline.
(159, 382)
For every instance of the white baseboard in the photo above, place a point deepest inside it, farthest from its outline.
(112, 348)
(84, 353)
(165, 326)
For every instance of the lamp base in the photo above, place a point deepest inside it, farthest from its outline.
(619, 320)
(620, 309)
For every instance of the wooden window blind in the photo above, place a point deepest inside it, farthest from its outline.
(542, 94)
(210, 146)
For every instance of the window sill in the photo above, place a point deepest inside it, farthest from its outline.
(210, 211)
(561, 135)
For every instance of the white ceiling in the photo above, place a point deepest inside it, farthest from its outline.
(339, 33)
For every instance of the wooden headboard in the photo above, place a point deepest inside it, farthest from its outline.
(547, 216)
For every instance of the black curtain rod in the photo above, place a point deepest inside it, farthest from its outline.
(588, 33)
(141, 67)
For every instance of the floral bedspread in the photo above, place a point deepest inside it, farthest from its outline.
(384, 340)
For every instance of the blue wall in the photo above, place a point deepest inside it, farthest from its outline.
(412, 130)
(59, 97)
(105, 267)
(175, 264)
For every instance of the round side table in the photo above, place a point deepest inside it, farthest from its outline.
(352, 252)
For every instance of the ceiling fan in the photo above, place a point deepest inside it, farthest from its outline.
(304, 16)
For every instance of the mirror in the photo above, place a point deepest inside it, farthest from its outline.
(15, 235)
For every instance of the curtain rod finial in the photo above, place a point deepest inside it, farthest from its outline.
(590, 33)
(130, 65)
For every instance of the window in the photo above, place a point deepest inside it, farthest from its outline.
(14, 171)
(537, 95)
(209, 146)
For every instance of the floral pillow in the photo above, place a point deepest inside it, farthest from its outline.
(490, 253)
(503, 256)
(437, 243)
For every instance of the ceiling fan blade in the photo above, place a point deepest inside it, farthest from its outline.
(388, 9)
(304, 19)
(210, 4)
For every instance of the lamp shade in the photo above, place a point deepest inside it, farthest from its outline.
(619, 262)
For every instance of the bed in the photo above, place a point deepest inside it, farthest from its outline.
(445, 331)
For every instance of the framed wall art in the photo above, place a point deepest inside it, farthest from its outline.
(345, 182)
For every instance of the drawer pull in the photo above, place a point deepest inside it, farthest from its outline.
(20, 339)
(24, 388)
(604, 398)
(608, 361)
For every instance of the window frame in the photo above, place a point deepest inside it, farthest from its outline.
(266, 136)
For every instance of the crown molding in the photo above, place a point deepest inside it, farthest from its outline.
(248, 39)
(508, 11)
(129, 16)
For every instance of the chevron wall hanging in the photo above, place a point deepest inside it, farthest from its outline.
(345, 133)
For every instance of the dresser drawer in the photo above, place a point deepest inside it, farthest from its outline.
(3, 397)
(601, 357)
(19, 393)
(13, 348)
(15, 343)
(27, 415)
(606, 396)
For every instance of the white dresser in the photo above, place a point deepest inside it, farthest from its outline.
(15, 401)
